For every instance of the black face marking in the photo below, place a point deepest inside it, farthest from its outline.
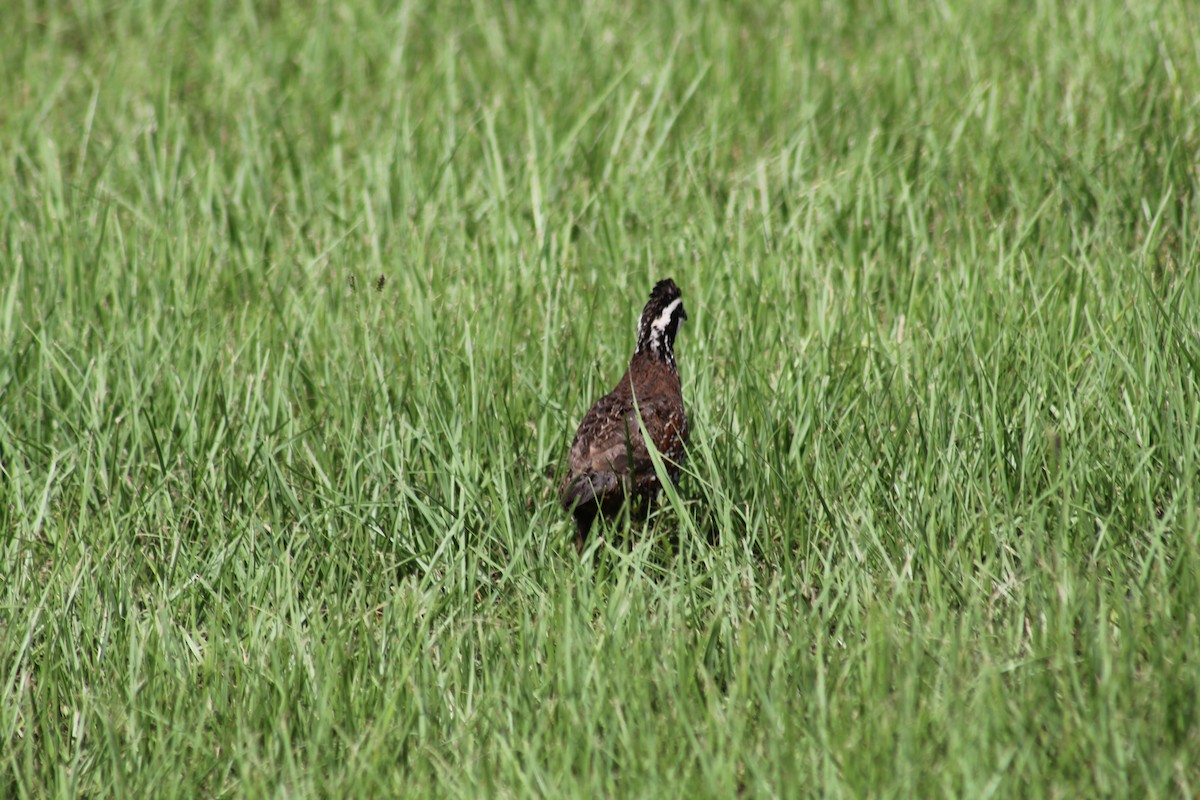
(660, 321)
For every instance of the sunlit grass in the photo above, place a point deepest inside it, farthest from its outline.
(300, 305)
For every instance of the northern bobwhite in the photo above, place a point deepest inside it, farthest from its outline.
(609, 460)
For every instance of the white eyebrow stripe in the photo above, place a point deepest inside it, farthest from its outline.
(664, 319)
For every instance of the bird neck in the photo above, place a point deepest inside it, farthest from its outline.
(657, 344)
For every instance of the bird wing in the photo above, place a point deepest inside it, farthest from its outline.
(610, 439)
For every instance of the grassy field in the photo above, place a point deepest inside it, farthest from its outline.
(301, 302)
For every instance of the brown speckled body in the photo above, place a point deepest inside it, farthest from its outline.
(609, 460)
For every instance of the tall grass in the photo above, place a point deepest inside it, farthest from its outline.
(300, 304)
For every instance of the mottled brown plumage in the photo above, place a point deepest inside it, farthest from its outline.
(609, 460)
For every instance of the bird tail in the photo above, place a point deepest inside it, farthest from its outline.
(588, 489)
(583, 497)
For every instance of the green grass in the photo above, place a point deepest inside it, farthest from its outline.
(300, 304)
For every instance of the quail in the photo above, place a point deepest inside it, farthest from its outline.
(609, 460)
